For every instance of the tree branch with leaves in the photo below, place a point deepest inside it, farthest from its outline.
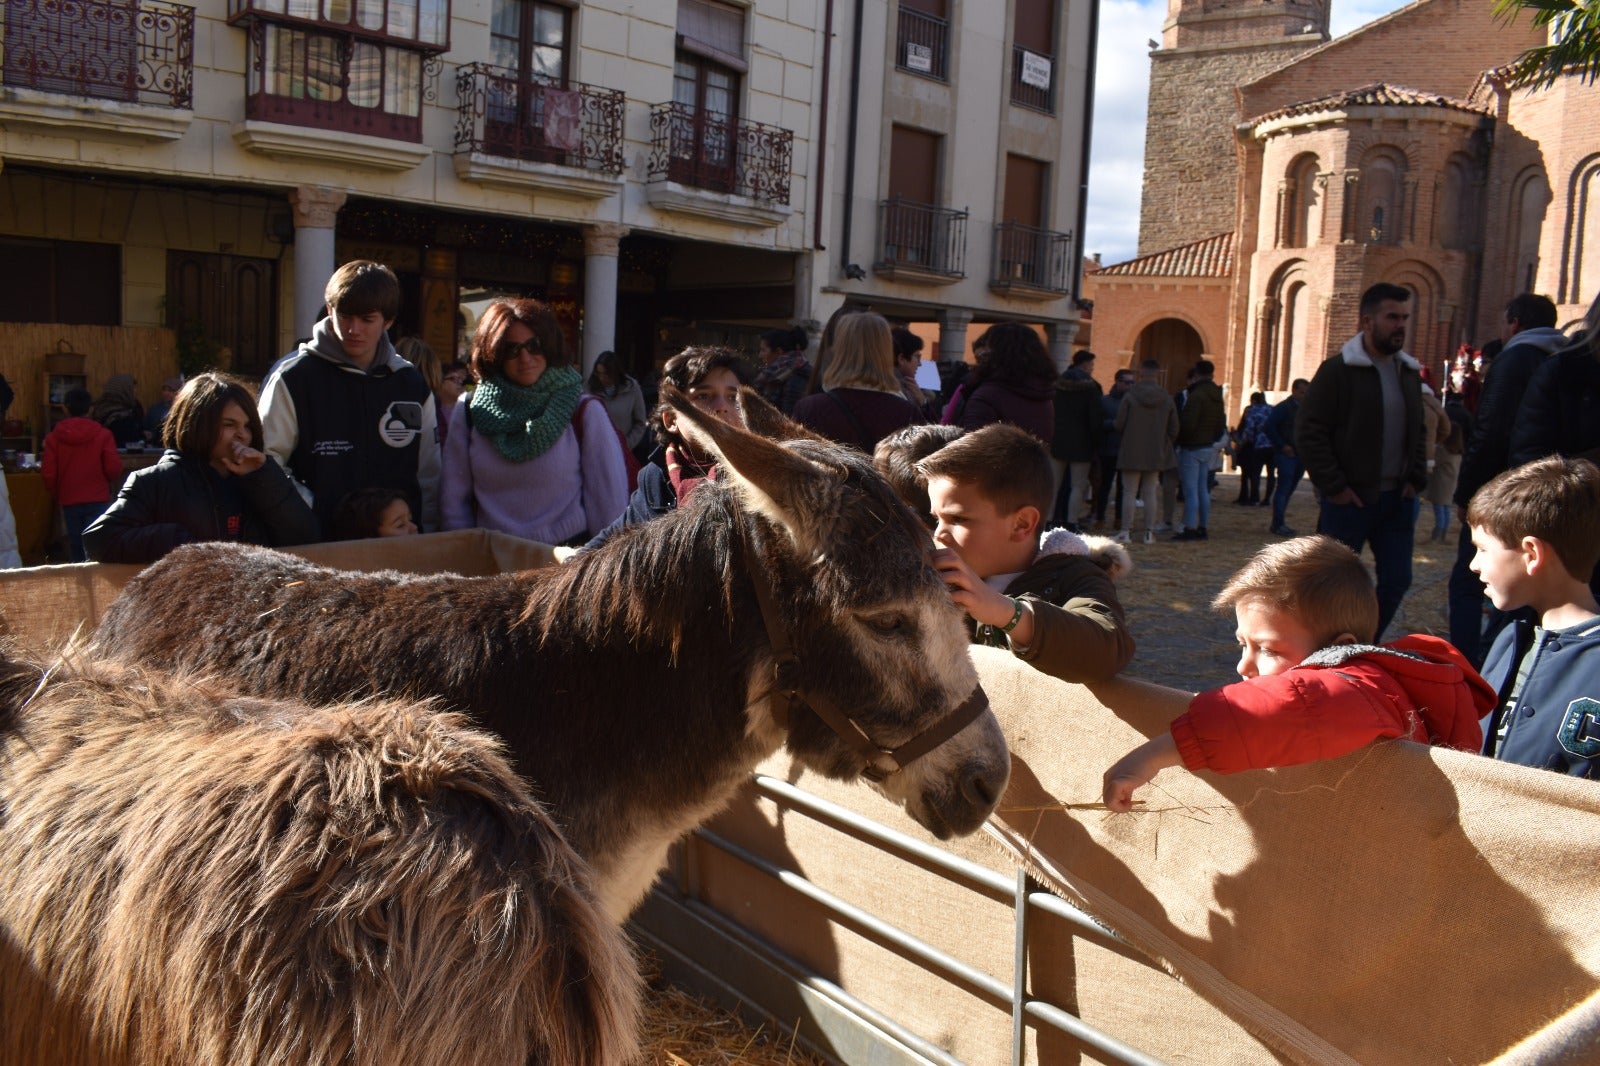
(1574, 41)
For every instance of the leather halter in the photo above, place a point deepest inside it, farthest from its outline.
(788, 681)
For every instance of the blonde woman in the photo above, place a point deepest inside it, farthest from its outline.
(861, 401)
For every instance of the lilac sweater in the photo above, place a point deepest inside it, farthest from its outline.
(551, 498)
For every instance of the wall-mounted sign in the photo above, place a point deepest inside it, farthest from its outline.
(919, 57)
(1035, 70)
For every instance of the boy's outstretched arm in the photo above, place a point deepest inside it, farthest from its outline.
(982, 603)
(1137, 768)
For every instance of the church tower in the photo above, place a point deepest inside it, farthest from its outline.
(1207, 48)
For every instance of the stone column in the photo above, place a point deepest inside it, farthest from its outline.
(600, 244)
(1059, 336)
(953, 325)
(316, 209)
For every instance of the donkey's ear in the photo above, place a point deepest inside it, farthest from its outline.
(763, 418)
(789, 489)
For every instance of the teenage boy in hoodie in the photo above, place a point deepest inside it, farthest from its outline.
(1315, 686)
(1360, 435)
(1530, 336)
(80, 462)
(345, 412)
(1048, 598)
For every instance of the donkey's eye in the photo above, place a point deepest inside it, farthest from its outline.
(889, 625)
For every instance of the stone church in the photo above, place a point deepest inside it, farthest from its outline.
(1285, 172)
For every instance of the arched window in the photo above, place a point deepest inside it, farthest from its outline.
(1583, 233)
(1383, 174)
(1302, 222)
(1458, 204)
(1530, 196)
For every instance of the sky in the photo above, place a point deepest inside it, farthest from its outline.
(1122, 80)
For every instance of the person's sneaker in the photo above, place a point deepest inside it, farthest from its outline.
(1162, 527)
(1149, 537)
(1188, 534)
(1200, 533)
(1283, 531)
(1122, 536)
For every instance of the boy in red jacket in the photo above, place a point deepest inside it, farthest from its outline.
(1314, 686)
(80, 462)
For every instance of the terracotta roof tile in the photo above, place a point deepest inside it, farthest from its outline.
(1378, 94)
(1208, 258)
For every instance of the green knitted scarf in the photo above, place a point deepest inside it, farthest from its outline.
(524, 421)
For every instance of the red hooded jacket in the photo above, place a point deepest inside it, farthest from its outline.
(1337, 700)
(80, 462)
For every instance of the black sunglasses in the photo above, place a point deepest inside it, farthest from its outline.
(509, 349)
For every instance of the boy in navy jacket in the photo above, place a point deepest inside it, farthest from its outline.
(1537, 533)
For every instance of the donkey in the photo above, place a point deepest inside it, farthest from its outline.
(193, 877)
(789, 602)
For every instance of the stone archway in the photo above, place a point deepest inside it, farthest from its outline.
(1174, 344)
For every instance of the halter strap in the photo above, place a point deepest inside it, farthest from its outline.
(788, 678)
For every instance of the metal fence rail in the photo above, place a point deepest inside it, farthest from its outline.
(922, 237)
(720, 153)
(137, 51)
(512, 117)
(1025, 899)
(923, 44)
(1030, 256)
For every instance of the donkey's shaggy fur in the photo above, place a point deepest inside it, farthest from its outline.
(187, 877)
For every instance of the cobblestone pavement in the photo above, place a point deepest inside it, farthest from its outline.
(1183, 643)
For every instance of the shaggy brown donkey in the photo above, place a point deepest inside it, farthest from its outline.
(192, 878)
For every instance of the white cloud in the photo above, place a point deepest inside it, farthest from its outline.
(1122, 84)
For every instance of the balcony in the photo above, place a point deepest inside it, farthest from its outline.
(921, 243)
(922, 44)
(532, 134)
(1033, 80)
(311, 94)
(135, 58)
(1030, 262)
(710, 164)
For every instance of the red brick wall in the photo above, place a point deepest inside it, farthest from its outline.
(1438, 46)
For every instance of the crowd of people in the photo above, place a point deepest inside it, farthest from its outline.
(1010, 468)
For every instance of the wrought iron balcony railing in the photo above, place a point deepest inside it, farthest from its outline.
(137, 51)
(1031, 257)
(718, 153)
(921, 238)
(1027, 70)
(923, 44)
(539, 121)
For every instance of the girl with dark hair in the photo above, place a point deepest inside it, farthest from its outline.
(214, 482)
(784, 371)
(623, 397)
(529, 454)
(710, 377)
(1013, 382)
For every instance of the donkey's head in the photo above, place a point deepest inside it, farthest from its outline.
(859, 624)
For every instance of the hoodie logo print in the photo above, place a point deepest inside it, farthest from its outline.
(400, 424)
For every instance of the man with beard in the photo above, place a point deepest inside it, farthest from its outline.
(1360, 436)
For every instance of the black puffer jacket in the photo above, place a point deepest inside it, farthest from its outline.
(1080, 423)
(181, 500)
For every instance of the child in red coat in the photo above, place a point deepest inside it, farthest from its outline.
(1314, 686)
(80, 463)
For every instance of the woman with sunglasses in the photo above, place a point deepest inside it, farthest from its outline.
(528, 454)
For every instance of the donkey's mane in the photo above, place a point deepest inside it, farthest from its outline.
(644, 581)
